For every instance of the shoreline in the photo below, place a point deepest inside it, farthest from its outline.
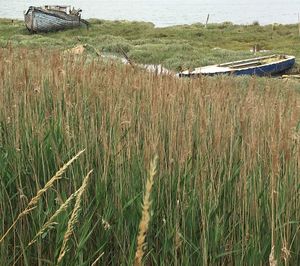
(255, 22)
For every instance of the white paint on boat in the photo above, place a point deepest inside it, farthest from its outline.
(211, 69)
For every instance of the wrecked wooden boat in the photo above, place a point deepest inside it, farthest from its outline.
(53, 18)
(260, 66)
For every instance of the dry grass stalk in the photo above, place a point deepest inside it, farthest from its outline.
(285, 253)
(144, 223)
(74, 217)
(56, 177)
(96, 260)
(51, 222)
(272, 259)
(32, 204)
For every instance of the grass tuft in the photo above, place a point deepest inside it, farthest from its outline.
(145, 219)
(74, 218)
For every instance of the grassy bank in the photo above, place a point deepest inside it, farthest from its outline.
(175, 47)
(227, 184)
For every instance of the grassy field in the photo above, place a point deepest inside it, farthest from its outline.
(177, 47)
(224, 189)
(225, 186)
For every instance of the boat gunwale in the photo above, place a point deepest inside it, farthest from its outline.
(249, 60)
(51, 13)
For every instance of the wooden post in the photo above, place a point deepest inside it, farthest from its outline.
(254, 49)
(206, 20)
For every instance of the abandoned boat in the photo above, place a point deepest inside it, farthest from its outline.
(260, 66)
(52, 18)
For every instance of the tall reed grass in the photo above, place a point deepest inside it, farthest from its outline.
(227, 186)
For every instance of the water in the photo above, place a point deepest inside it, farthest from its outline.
(172, 12)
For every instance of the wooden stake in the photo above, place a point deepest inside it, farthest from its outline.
(126, 57)
(206, 20)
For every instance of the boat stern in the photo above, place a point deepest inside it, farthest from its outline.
(28, 18)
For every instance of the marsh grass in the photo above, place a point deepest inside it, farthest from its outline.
(33, 202)
(176, 47)
(226, 190)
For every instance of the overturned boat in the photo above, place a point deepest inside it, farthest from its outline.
(260, 66)
(53, 18)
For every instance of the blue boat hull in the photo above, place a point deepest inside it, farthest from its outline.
(267, 70)
(261, 66)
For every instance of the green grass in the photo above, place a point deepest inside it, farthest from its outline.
(176, 47)
(227, 183)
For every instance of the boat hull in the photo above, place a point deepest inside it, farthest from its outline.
(39, 20)
(267, 69)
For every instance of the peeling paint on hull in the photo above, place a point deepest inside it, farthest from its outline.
(40, 20)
